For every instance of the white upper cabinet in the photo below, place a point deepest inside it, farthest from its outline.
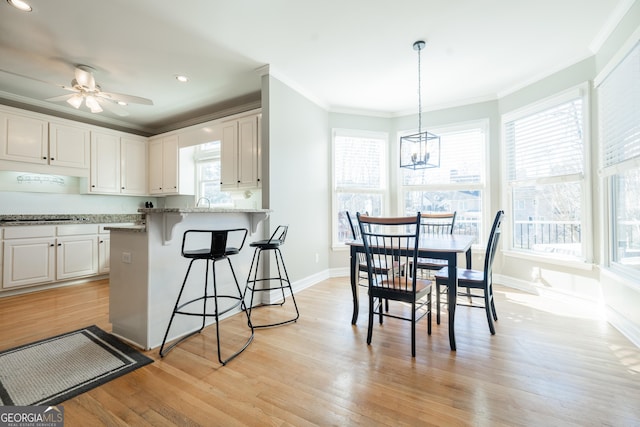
(241, 153)
(68, 145)
(118, 164)
(105, 163)
(133, 166)
(170, 173)
(24, 138)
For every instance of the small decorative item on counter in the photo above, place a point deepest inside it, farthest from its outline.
(148, 204)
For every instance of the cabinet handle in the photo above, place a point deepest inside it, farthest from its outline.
(44, 158)
(93, 186)
(52, 158)
(59, 244)
(51, 245)
(101, 241)
(238, 181)
(122, 188)
(258, 179)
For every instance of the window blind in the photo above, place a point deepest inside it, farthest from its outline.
(619, 111)
(547, 143)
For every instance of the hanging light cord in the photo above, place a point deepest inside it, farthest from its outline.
(419, 94)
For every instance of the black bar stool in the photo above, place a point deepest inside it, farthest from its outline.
(217, 250)
(272, 244)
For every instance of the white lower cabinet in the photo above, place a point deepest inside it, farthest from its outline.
(29, 255)
(76, 256)
(37, 255)
(104, 252)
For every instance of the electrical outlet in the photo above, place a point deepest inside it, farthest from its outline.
(126, 257)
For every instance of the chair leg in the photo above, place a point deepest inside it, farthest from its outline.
(217, 317)
(429, 315)
(370, 328)
(413, 329)
(286, 275)
(173, 314)
(487, 308)
(493, 307)
(437, 302)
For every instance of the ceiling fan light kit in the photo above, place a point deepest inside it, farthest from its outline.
(86, 90)
(21, 5)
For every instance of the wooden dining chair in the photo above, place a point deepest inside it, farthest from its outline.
(435, 224)
(394, 242)
(478, 280)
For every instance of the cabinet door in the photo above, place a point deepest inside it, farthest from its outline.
(68, 146)
(28, 262)
(23, 139)
(77, 256)
(229, 156)
(248, 152)
(105, 163)
(104, 253)
(170, 164)
(133, 162)
(155, 166)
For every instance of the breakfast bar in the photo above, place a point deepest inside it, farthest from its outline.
(147, 268)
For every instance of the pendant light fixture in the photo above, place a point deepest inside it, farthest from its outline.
(420, 150)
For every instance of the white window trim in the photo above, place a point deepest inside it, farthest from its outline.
(582, 90)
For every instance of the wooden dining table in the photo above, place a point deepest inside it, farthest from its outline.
(445, 247)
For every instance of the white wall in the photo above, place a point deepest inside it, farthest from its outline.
(296, 154)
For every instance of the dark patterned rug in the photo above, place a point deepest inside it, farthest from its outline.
(53, 370)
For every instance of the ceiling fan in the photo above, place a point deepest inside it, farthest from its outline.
(85, 89)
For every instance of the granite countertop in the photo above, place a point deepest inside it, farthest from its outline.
(60, 219)
(201, 210)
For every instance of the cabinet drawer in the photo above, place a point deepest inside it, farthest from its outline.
(29, 232)
(77, 229)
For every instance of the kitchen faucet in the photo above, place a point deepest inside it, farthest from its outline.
(205, 199)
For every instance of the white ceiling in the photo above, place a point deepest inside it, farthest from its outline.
(345, 55)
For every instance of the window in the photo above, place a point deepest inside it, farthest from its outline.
(359, 176)
(619, 130)
(545, 148)
(207, 160)
(458, 184)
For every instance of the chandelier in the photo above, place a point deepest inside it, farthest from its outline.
(420, 150)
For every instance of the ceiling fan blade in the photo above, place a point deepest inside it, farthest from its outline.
(129, 99)
(85, 78)
(114, 108)
(60, 98)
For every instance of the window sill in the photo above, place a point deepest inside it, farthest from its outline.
(556, 260)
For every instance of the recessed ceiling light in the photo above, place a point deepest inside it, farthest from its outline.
(20, 4)
(122, 103)
(181, 78)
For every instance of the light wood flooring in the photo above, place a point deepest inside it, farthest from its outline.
(549, 364)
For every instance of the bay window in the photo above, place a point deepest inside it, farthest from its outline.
(458, 184)
(619, 132)
(359, 177)
(546, 159)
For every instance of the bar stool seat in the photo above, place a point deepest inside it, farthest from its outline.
(215, 250)
(282, 279)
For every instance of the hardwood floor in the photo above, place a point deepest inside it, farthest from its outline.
(549, 364)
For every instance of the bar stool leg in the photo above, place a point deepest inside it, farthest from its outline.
(283, 281)
(176, 309)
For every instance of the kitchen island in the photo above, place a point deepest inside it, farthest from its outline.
(147, 269)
